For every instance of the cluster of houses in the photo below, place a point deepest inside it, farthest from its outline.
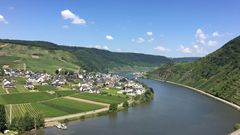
(93, 82)
(90, 82)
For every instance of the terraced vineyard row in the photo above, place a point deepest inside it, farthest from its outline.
(19, 110)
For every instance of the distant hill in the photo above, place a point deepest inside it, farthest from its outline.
(218, 73)
(185, 59)
(87, 58)
(36, 58)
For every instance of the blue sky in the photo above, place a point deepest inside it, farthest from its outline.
(171, 28)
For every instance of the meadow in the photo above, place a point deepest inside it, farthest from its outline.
(44, 87)
(27, 97)
(100, 98)
(61, 106)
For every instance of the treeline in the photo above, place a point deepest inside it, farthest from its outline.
(26, 123)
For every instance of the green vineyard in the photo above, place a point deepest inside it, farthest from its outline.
(19, 110)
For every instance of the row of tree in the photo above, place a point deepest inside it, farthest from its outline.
(26, 123)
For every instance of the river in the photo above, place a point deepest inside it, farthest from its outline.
(175, 110)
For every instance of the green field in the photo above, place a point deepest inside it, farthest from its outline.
(101, 98)
(8, 59)
(61, 106)
(20, 82)
(2, 91)
(112, 92)
(20, 98)
(45, 87)
(62, 93)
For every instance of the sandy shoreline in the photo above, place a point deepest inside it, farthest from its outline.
(207, 94)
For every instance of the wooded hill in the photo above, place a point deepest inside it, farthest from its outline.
(41, 55)
(218, 73)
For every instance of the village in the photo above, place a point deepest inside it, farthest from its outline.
(88, 82)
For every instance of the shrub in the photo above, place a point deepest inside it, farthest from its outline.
(113, 107)
(125, 104)
(2, 118)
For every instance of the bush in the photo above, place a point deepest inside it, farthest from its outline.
(237, 126)
(125, 104)
(2, 118)
(26, 123)
(113, 107)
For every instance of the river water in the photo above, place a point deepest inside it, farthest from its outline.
(175, 110)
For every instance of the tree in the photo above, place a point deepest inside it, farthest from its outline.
(1, 72)
(28, 122)
(113, 107)
(125, 104)
(39, 121)
(57, 72)
(2, 118)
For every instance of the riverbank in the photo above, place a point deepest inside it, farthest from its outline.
(237, 132)
(49, 122)
(139, 99)
(207, 94)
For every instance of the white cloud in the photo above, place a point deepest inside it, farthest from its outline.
(68, 15)
(3, 20)
(118, 50)
(151, 40)
(216, 34)
(138, 40)
(200, 36)
(109, 37)
(198, 49)
(65, 26)
(105, 48)
(212, 43)
(149, 33)
(101, 47)
(161, 49)
(185, 49)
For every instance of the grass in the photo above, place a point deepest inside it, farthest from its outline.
(101, 98)
(65, 93)
(112, 92)
(45, 87)
(8, 59)
(61, 106)
(20, 98)
(2, 91)
(20, 82)
(48, 60)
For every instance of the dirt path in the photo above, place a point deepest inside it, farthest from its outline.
(88, 101)
(53, 121)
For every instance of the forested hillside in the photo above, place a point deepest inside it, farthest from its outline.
(218, 73)
(90, 59)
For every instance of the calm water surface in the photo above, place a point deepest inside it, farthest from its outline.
(174, 111)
